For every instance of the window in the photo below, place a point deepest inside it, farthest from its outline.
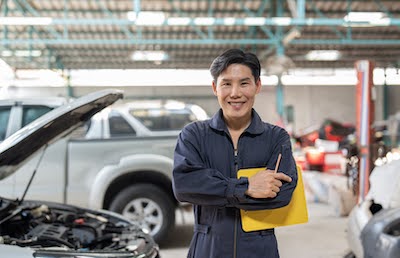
(4, 117)
(31, 113)
(118, 126)
(163, 119)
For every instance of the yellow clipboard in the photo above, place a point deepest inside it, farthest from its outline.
(294, 213)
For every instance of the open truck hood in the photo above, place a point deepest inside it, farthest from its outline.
(23, 144)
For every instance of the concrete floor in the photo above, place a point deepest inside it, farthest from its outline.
(324, 236)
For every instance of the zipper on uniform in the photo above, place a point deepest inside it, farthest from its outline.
(236, 211)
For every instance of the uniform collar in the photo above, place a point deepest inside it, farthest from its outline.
(256, 126)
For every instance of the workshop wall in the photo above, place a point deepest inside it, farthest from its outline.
(312, 104)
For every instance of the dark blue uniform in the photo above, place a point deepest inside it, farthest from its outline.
(205, 167)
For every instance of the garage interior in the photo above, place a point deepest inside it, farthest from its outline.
(162, 49)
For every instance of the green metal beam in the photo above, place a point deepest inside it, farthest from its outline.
(213, 41)
(107, 12)
(65, 13)
(24, 5)
(251, 31)
(301, 9)
(320, 14)
(210, 13)
(4, 6)
(248, 21)
(372, 42)
(32, 29)
(384, 9)
(266, 30)
(136, 41)
(181, 14)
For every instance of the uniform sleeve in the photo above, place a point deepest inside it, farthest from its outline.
(281, 144)
(193, 182)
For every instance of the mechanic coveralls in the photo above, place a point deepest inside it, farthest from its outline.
(205, 167)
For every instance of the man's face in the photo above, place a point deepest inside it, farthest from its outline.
(236, 90)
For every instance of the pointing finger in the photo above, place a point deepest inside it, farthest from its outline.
(284, 177)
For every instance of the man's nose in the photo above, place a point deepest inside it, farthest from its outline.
(236, 92)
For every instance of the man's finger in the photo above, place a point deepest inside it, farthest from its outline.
(284, 177)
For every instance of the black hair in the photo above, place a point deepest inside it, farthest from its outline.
(235, 56)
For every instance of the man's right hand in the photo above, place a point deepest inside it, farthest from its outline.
(266, 184)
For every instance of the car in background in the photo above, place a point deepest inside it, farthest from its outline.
(144, 118)
(16, 113)
(119, 160)
(373, 228)
(31, 228)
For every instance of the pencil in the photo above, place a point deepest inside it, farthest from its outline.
(277, 162)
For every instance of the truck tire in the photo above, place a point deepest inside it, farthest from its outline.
(148, 205)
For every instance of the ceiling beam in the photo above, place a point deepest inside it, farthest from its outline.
(213, 41)
(228, 21)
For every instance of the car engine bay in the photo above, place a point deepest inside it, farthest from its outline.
(62, 227)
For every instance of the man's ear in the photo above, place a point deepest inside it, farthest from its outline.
(214, 87)
(258, 85)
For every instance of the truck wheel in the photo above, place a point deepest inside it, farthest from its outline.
(149, 206)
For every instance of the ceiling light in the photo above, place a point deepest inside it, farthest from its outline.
(254, 21)
(282, 21)
(147, 18)
(229, 21)
(6, 53)
(25, 21)
(149, 56)
(323, 55)
(178, 21)
(367, 19)
(28, 53)
(21, 53)
(204, 21)
(363, 16)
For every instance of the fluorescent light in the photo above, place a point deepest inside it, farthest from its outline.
(25, 20)
(229, 21)
(283, 21)
(21, 53)
(6, 53)
(28, 53)
(364, 16)
(367, 19)
(178, 21)
(323, 55)
(381, 22)
(254, 21)
(149, 56)
(204, 21)
(147, 18)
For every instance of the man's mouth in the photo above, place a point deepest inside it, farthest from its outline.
(236, 104)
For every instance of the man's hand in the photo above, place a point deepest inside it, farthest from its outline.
(266, 184)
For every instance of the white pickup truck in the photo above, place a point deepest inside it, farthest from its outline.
(121, 161)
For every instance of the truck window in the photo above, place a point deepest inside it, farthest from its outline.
(163, 119)
(118, 126)
(4, 116)
(30, 113)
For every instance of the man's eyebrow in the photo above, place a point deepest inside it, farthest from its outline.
(226, 80)
(245, 79)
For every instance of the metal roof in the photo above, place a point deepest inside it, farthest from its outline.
(96, 34)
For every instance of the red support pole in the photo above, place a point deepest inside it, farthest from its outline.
(365, 98)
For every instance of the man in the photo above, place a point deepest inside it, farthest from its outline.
(209, 153)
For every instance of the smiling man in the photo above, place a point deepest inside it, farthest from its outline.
(209, 153)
